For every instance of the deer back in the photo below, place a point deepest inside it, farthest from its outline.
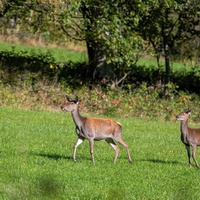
(101, 128)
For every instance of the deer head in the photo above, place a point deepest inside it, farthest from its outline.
(184, 115)
(71, 105)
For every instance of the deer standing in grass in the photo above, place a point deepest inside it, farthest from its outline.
(189, 136)
(95, 129)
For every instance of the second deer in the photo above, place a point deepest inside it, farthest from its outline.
(95, 129)
(189, 136)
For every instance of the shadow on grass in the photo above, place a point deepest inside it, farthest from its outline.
(53, 156)
(59, 157)
(158, 161)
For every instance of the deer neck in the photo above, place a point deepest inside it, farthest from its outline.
(78, 119)
(184, 130)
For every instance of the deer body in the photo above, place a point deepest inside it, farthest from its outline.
(95, 129)
(189, 136)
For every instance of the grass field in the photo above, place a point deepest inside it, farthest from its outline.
(60, 55)
(36, 149)
(64, 55)
(175, 66)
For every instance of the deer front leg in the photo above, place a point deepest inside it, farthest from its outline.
(91, 141)
(193, 155)
(188, 153)
(78, 142)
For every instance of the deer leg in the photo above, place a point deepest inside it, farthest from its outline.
(193, 155)
(114, 146)
(91, 141)
(188, 153)
(121, 141)
(78, 142)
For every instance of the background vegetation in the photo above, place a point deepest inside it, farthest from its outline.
(116, 34)
(38, 81)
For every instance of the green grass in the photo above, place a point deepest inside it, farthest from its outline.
(36, 149)
(60, 55)
(175, 66)
(64, 55)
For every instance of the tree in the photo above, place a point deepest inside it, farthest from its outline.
(116, 33)
(166, 24)
(112, 45)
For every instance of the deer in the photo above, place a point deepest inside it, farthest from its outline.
(189, 136)
(94, 129)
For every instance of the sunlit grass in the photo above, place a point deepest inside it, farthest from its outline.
(64, 55)
(36, 150)
(60, 55)
(175, 66)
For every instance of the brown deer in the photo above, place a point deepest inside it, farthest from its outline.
(189, 136)
(95, 129)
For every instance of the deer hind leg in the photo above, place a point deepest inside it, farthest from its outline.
(121, 141)
(111, 142)
(193, 155)
(78, 142)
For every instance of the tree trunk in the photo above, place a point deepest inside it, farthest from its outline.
(167, 64)
(94, 47)
(165, 38)
(159, 77)
(96, 58)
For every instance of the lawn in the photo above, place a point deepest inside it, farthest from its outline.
(63, 56)
(60, 55)
(175, 66)
(36, 149)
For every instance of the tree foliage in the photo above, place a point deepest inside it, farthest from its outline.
(167, 24)
(116, 33)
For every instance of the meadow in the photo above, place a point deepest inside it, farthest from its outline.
(36, 160)
(63, 55)
(59, 54)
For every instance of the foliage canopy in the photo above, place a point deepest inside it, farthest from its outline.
(116, 33)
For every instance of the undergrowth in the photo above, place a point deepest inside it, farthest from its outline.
(139, 102)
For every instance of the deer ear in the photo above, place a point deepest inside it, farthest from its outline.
(76, 100)
(68, 98)
(188, 111)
